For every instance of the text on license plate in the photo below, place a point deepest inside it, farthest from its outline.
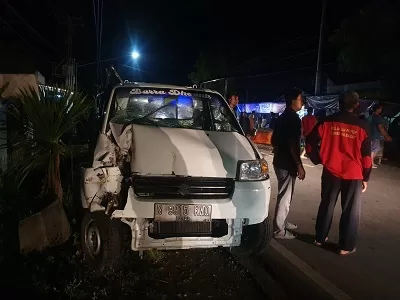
(182, 212)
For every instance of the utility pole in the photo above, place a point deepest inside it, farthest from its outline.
(318, 75)
(67, 68)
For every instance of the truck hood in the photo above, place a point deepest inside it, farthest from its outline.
(187, 152)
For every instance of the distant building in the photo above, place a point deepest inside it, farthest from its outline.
(14, 82)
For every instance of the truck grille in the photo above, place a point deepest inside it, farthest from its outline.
(160, 230)
(168, 187)
(182, 228)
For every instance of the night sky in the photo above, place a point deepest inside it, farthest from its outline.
(170, 34)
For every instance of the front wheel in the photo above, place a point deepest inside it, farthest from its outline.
(255, 238)
(101, 239)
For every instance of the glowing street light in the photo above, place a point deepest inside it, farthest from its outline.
(135, 55)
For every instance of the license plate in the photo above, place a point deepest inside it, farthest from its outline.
(182, 212)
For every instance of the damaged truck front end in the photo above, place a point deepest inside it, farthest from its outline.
(174, 166)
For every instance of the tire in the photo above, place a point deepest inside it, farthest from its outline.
(255, 238)
(101, 240)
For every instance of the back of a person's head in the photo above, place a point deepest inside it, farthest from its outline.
(375, 107)
(348, 101)
(292, 95)
(310, 110)
(232, 94)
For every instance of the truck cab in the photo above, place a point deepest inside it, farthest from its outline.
(173, 166)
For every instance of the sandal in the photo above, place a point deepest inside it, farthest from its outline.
(345, 252)
(320, 244)
(285, 235)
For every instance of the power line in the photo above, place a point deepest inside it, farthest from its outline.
(274, 73)
(280, 72)
(136, 69)
(98, 22)
(26, 41)
(104, 60)
(101, 24)
(279, 45)
(35, 31)
(264, 74)
(290, 56)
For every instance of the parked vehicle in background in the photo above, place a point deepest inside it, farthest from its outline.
(172, 164)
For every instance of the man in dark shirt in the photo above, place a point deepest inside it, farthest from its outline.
(245, 123)
(287, 162)
(341, 143)
(233, 101)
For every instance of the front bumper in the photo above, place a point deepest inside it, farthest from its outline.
(250, 201)
(142, 241)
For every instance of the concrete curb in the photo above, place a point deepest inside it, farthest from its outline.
(299, 279)
(271, 288)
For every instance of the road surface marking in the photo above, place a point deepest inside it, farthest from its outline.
(324, 283)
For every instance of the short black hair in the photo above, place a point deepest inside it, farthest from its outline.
(376, 106)
(232, 94)
(292, 95)
(348, 100)
(310, 110)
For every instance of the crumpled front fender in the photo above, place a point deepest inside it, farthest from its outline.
(97, 183)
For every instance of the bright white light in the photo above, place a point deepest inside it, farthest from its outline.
(135, 55)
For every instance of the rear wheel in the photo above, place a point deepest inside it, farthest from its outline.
(102, 240)
(255, 238)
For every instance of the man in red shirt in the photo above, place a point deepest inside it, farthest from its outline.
(342, 145)
(307, 123)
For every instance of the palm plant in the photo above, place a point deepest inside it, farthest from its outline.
(42, 118)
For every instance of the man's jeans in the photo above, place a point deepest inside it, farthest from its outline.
(286, 184)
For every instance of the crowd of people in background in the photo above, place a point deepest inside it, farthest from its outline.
(253, 121)
(385, 134)
(344, 143)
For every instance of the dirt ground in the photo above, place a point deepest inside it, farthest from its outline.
(187, 274)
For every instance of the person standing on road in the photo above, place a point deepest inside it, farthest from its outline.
(377, 129)
(307, 123)
(341, 143)
(233, 102)
(394, 132)
(287, 162)
(252, 120)
(244, 121)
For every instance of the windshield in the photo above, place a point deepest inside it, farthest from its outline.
(172, 108)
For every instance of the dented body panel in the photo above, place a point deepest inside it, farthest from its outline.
(99, 183)
(188, 152)
(126, 153)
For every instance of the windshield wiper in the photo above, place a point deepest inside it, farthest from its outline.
(173, 99)
(140, 122)
(145, 121)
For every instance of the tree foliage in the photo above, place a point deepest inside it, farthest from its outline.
(41, 119)
(369, 42)
(209, 66)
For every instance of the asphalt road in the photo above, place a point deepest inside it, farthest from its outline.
(374, 271)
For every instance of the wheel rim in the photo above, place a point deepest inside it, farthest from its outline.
(92, 239)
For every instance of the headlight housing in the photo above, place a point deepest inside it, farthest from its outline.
(252, 170)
